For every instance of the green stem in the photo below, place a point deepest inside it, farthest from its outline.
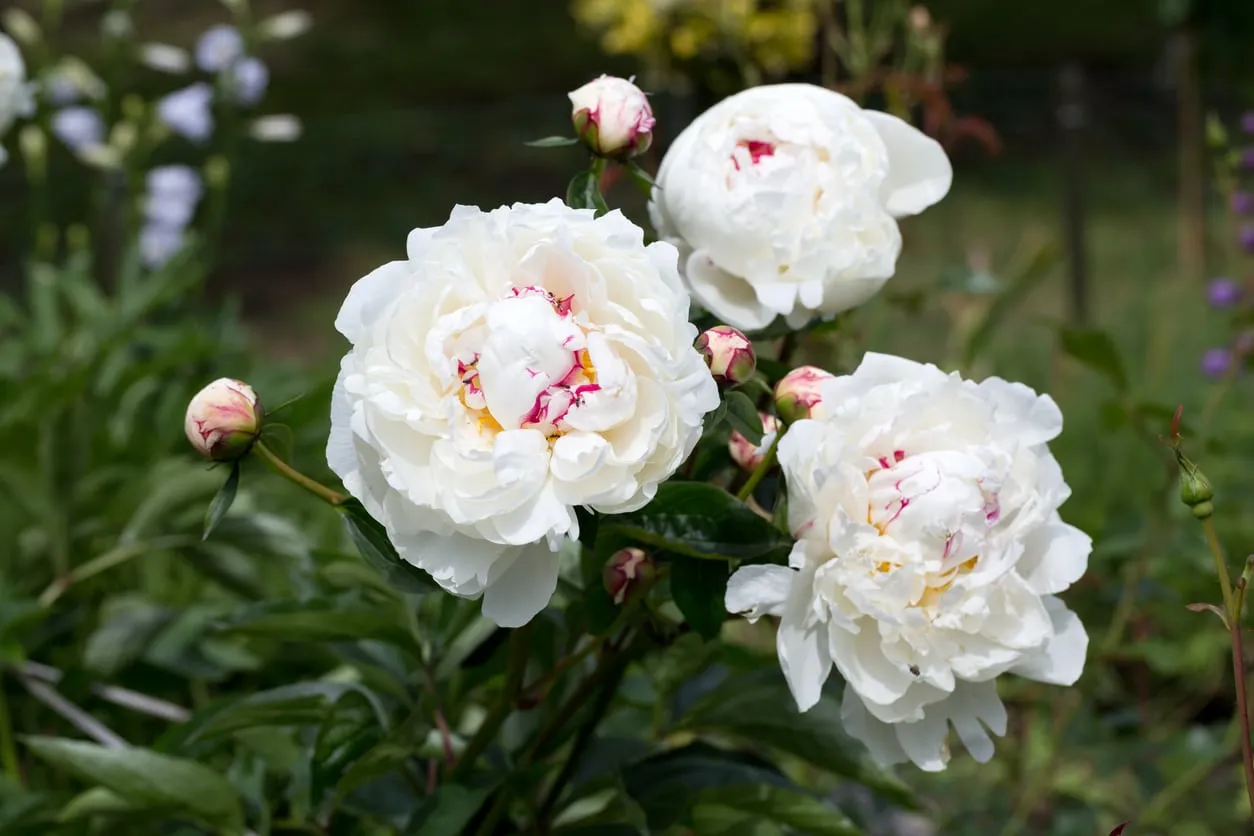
(295, 476)
(759, 472)
(519, 649)
(108, 560)
(1221, 566)
(8, 751)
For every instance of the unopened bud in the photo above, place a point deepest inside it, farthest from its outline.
(728, 353)
(613, 117)
(284, 25)
(800, 392)
(1195, 489)
(224, 419)
(626, 571)
(744, 452)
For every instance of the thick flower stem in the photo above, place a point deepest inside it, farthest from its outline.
(519, 648)
(295, 476)
(759, 472)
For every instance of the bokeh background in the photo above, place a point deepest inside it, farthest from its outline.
(1097, 147)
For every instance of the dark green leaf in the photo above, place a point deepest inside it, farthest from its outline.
(714, 417)
(698, 587)
(1028, 279)
(147, 779)
(796, 810)
(376, 550)
(1096, 350)
(743, 416)
(666, 785)
(757, 708)
(299, 704)
(130, 625)
(700, 520)
(319, 620)
(584, 191)
(446, 811)
(96, 801)
(552, 142)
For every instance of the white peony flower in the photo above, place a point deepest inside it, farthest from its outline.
(930, 550)
(783, 199)
(218, 48)
(518, 364)
(188, 112)
(15, 93)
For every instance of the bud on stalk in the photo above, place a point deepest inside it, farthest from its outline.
(626, 571)
(1195, 489)
(224, 420)
(728, 353)
(800, 393)
(744, 452)
(613, 117)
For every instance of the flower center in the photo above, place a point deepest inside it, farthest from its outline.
(526, 365)
(754, 149)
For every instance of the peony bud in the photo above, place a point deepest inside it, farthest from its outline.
(224, 419)
(744, 452)
(626, 571)
(612, 116)
(799, 392)
(728, 353)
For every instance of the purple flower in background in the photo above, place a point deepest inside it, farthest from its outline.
(1247, 122)
(1242, 203)
(1216, 362)
(248, 79)
(173, 192)
(1246, 237)
(78, 127)
(187, 112)
(1224, 293)
(1247, 158)
(158, 244)
(219, 47)
(61, 89)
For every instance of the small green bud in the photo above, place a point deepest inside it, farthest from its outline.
(1195, 489)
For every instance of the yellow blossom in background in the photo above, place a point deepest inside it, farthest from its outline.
(762, 36)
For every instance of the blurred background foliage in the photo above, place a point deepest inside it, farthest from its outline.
(410, 107)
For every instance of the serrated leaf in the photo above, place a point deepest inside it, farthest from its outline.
(1096, 350)
(743, 416)
(698, 588)
(696, 519)
(146, 778)
(552, 142)
(376, 550)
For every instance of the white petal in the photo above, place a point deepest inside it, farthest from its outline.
(728, 297)
(1034, 418)
(925, 742)
(341, 455)
(524, 589)
(973, 706)
(369, 297)
(803, 654)
(878, 737)
(755, 591)
(919, 172)
(861, 661)
(1062, 660)
(1055, 556)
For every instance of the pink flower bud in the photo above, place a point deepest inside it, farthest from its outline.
(800, 391)
(224, 419)
(728, 353)
(612, 116)
(744, 452)
(625, 571)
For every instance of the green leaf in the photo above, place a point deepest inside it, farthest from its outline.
(743, 416)
(756, 708)
(552, 142)
(1038, 268)
(376, 550)
(699, 587)
(696, 519)
(147, 779)
(222, 501)
(1096, 350)
(714, 417)
(299, 704)
(797, 810)
(584, 191)
(666, 785)
(94, 802)
(446, 811)
(317, 620)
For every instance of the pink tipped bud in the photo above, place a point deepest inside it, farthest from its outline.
(626, 571)
(728, 353)
(744, 452)
(613, 117)
(224, 419)
(800, 392)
